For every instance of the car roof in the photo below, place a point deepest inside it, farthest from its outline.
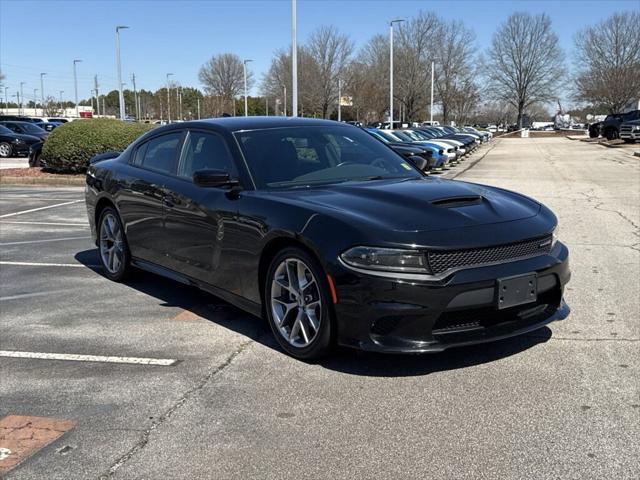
(235, 124)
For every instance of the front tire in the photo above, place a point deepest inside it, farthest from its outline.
(113, 249)
(5, 150)
(298, 304)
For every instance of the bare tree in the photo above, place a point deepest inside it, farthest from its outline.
(331, 52)
(608, 60)
(223, 76)
(51, 107)
(454, 70)
(525, 62)
(369, 78)
(413, 52)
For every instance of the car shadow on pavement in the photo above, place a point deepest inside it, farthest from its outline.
(199, 304)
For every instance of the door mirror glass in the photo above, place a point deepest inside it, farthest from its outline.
(419, 162)
(213, 178)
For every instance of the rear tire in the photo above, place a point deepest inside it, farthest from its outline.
(113, 249)
(299, 305)
(611, 134)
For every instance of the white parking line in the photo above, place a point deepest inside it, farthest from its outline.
(37, 264)
(6, 215)
(164, 362)
(46, 240)
(60, 224)
(30, 295)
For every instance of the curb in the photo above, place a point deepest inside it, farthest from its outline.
(636, 154)
(52, 182)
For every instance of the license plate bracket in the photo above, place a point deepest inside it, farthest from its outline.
(517, 290)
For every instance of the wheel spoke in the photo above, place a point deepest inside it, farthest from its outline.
(292, 276)
(303, 330)
(286, 287)
(295, 329)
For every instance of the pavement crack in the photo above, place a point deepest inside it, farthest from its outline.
(598, 206)
(144, 439)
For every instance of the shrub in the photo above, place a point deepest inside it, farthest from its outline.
(70, 146)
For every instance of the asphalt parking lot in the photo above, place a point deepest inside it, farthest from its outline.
(194, 388)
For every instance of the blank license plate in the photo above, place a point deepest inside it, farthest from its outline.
(517, 290)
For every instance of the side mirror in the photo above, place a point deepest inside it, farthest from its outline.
(420, 163)
(213, 178)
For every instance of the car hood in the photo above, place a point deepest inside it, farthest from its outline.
(27, 138)
(423, 205)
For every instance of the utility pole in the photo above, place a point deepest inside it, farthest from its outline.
(266, 105)
(120, 92)
(294, 61)
(168, 100)
(397, 20)
(35, 100)
(92, 92)
(135, 95)
(339, 100)
(179, 95)
(431, 108)
(42, 92)
(104, 105)
(75, 84)
(60, 102)
(95, 84)
(285, 99)
(6, 99)
(244, 65)
(21, 100)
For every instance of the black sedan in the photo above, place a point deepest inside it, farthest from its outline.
(26, 128)
(14, 144)
(329, 234)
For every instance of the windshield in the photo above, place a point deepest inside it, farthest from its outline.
(31, 128)
(302, 156)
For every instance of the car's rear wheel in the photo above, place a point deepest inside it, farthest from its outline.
(112, 246)
(5, 150)
(612, 134)
(298, 304)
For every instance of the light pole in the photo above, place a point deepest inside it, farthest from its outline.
(35, 100)
(284, 87)
(244, 64)
(294, 61)
(21, 102)
(75, 84)
(6, 99)
(266, 105)
(397, 20)
(431, 108)
(168, 100)
(120, 93)
(339, 100)
(60, 102)
(42, 92)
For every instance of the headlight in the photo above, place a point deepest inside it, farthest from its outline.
(554, 236)
(637, 127)
(18, 141)
(385, 259)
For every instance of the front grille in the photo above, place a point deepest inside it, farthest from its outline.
(443, 261)
(625, 129)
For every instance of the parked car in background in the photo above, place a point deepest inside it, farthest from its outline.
(35, 155)
(630, 131)
(438, 156)
(26, 128)
(329, 235)
(610, 127)
(14, 144)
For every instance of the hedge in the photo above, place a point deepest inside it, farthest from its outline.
(70, 146)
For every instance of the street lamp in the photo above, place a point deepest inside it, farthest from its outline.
(120, 93)
(244, 65)
(294, 60)
(60, 102)
(42, 91)
(75, 84)
(168, 100)
(35, 100)
(6, 99)
(397, 20)
(284, 87)
(339, 100)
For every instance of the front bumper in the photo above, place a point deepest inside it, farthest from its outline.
(395, 316)
(633, 135)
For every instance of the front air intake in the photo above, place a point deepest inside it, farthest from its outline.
(453, 202)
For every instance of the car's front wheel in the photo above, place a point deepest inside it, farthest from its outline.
(298, 304)
(5, 150)
(112, 246)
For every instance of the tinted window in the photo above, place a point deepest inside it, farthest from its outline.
(300, 156)
(161, 153)
(204, 151)
(4, 130)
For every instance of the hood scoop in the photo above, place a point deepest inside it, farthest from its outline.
(459, 201)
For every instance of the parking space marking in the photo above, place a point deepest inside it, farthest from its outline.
(38, 264)
(31, 210)
(46, 240)
(30, 295)
(163, 362)
(59, 224)
(22, 436)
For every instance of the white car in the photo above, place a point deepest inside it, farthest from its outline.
(450, 149)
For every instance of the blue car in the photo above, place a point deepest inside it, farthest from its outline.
(437, 153)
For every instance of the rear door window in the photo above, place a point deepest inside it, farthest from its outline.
(161, 153)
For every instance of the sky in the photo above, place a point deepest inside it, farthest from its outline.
(173, 36)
